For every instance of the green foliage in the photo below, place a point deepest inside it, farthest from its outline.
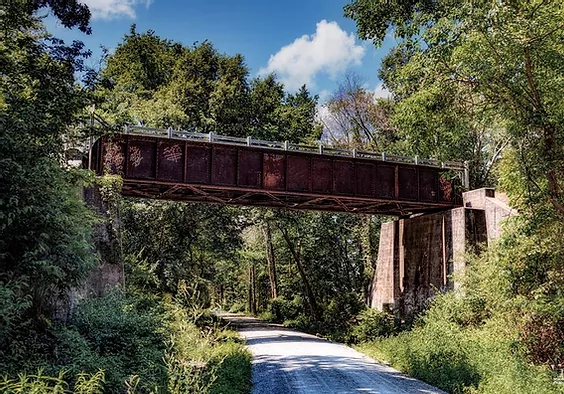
(208, 361)
(473, 72)
(117, 335)
(159, 83)
(12, 306)
(478, 80)
(43, 384)
(282, 309)
(371, 324)
(233, 371)
(484, 339)
(462, 358)
(45, 245)
(172, 247)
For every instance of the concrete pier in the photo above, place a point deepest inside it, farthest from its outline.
(418, 256)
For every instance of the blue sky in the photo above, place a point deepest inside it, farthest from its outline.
(301, 41)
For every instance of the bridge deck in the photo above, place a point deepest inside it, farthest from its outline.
(188, 167)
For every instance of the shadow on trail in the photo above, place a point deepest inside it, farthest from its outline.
(287, 361)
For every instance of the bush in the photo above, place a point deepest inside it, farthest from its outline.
(282, 309)
(372, 324)
(112, 334)
(237, 307)
(233, 367)
(208, 361)
(339, 315)
(43, 384)
(303, 323)
(462, 358)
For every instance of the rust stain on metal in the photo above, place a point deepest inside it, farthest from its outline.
(298, 177)
(445, 188)
(321, 175)
(274, 171)
(224, 166)
(170, 163)
(142, 159)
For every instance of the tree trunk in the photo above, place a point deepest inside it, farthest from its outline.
(271, 262)
(367, 257)
(555, 194)
(252, 290)
(297, 258)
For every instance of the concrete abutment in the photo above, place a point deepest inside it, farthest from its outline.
(423, 255)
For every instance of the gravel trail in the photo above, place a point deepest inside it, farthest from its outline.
(292, 362)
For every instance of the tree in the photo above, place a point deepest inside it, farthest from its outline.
(159, 83)
(45, 245)
(169, 244)
(503, 53)
(355, 118)
(494, 69)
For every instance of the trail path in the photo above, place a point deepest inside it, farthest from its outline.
(292, 362)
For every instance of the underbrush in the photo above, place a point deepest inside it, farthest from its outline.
(450, 352)
(118, 344)
(343, 320)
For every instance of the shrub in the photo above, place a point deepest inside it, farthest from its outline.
(233, 367)
(339, 314)
(303, 323)
(371, 324)
(459, 358)
(44, 384)
(112, 334)
(208, 361)
(283, 309)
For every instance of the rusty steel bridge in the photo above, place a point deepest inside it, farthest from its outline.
(187, 166)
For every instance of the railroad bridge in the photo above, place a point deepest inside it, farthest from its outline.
(417, 253)
(187, 166)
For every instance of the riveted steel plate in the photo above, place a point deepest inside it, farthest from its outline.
(407, 182)
(198, 161)
(365, 175)
(141, 159)
(224, 166)
(385, 181)
(274, 169)
(250, 168)
(343, 176)
(428, 184)
(170, 165)
(321, 175)
(297, 173)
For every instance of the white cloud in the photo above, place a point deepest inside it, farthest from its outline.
(381, 92)
(111, 9)
(324, 95)
(329, 50)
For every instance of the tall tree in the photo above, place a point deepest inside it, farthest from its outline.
(504, 53)
(44, 227)
(493, 67)
(355, 118)
(271, 259)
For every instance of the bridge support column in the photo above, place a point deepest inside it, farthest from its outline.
(109, 273)
(107, 239)
(418, 256)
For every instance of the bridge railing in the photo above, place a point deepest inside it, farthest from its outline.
(287, 146)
